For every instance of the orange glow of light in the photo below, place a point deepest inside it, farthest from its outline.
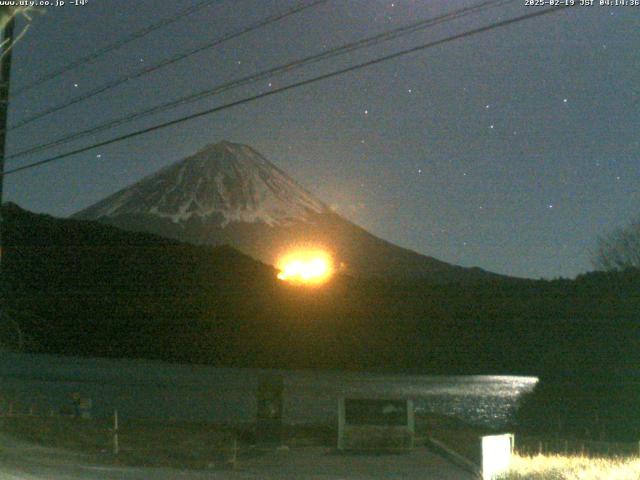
(308, 267)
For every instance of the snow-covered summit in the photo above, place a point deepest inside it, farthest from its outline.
(226, 181)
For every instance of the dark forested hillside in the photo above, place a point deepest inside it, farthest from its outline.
(79, 287)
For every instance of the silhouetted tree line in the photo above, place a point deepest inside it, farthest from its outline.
(591, 389)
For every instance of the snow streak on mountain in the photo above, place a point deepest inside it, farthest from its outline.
(226, 181)
(229, 194)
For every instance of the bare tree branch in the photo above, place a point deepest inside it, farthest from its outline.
(620, 249)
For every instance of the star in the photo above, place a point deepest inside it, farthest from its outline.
(491, 126)
(409, 90)
(419, 171)
(565, 100)
(550, 206)
(75, 85)
(366, 112)
(487, 106)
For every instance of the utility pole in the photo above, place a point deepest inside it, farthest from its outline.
(5, 74)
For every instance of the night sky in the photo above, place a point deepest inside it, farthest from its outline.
(511, 150)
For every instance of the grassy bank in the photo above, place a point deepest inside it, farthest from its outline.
(141, 443)
(556, 467)
(184, 445)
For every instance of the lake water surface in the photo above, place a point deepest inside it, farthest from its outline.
(149, 389)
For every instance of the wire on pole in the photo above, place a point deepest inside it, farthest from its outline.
(269, 73)
(292, 86)
(116, 45)
(163, 63)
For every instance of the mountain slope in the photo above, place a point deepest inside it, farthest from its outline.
(230, 194)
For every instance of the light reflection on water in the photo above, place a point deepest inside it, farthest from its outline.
(485, 400)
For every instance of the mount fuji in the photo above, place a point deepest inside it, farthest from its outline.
(228, 193)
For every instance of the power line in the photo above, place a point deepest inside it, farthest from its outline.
(285, 68)
(163, 63)
(302, 83)
(116, 45)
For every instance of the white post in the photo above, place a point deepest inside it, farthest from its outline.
(116, 446)
(341, 423)
(411, 422)
(235, 450)
(496, 455)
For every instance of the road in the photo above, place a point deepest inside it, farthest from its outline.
(22, 461)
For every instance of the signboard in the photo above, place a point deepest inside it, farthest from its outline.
(375, 424)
